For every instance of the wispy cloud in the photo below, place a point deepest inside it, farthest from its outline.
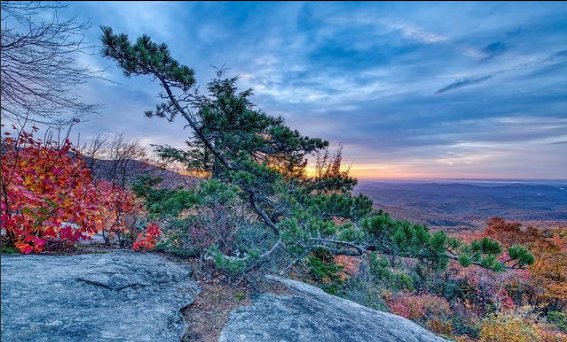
(493, 50)
(418, 34)
(464, 83)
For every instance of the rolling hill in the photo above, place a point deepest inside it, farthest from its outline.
(467, 205)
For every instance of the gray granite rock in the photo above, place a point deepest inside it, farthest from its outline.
(94, 297)
(310, 315)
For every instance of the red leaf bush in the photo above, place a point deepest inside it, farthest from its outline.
(47, 193)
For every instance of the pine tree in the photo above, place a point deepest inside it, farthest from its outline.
(264, 162)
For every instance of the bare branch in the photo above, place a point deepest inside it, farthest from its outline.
(39, 70)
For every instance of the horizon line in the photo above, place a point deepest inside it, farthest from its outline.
(463, 179)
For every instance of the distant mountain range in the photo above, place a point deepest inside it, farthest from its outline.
(132, 169)
(454, 205)
(468, 204)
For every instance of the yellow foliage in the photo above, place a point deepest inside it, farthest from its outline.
(507, 327)
(518, 326)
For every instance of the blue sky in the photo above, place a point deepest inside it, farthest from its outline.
(412, 90)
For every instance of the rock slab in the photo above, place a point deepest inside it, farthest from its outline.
(310, 315)
(94, 297)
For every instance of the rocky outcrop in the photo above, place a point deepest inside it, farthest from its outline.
(94, 297)
(308, 314)
(138, 297)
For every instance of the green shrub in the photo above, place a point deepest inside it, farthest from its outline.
(558, 319)
(6, 249)
(231, 267)
(323, 269)
(383, 273)
(364, 293)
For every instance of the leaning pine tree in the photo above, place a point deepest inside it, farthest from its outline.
(256, 158)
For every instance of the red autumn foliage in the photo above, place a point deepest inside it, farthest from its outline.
(120, 210)
(48, 196)
(510, 233)
(147, 239)
(47, 193)
(418, 307)
(544, 284)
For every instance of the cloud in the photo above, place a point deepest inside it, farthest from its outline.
(465, 82)
(556, 56)
(415, 33)
(368, 75)
(493, 50)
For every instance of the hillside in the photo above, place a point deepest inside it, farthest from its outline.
(104, 169)
(468, 205)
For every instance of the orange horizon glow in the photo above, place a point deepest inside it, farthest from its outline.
(401, 172)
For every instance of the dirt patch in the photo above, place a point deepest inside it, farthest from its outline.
(208, 314)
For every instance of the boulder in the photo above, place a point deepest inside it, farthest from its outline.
(308, 314)
(94, 297)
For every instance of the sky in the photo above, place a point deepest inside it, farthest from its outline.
(412, 90)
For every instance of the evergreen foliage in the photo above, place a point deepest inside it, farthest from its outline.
(256, 167)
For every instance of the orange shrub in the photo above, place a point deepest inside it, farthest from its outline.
(349, 265)
(439, 326)
(420, 307)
